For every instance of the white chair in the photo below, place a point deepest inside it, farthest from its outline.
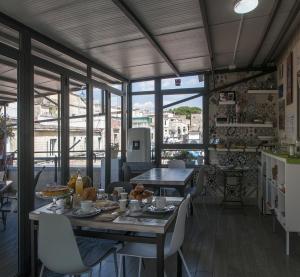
(176, 164)
(173, 242)
(58, 249)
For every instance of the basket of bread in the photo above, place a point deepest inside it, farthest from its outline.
(140, 193)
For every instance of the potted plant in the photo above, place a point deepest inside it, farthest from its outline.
(114, 150)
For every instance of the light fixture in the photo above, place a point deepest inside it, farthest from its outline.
(245, 6)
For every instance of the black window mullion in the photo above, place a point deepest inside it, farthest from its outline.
(65, 129)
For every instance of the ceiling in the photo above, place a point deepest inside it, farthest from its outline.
(101, 31)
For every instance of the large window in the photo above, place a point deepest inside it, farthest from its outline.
(77, 127)
(8, 162)
(182, 119)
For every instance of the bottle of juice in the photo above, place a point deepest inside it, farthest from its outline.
(79, 185)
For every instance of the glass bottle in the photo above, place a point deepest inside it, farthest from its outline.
(79, 185)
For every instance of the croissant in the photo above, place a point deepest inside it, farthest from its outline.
(89, 194)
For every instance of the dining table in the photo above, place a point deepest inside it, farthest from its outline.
(156, 178)
(119, 226)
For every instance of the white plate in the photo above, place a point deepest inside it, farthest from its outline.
(167, 209)
(81, 214)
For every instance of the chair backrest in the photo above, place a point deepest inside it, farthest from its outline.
(57, 247)
(37, 177)
(176, 164)
(179, 229)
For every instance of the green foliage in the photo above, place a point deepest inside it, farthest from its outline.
(185, 110)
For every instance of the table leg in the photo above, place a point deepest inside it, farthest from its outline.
(33, 238)
(160, 255)
(179, 265)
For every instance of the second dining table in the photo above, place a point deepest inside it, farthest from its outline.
(156, 178)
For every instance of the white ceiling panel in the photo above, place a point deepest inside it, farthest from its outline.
(185, 44)
(125, 54)
(165, 16)
(190, 65)
(224, 36)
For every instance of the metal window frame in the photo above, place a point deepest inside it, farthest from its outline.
(158, 101)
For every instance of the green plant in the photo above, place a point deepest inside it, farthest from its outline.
(5, 131)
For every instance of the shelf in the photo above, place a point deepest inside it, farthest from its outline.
(245, 125)
(226, 102)
(262, 91)
(252, 150)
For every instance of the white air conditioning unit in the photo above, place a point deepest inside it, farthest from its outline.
(139, 145)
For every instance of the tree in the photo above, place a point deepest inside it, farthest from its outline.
(186, 110)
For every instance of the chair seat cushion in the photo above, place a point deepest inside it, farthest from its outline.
(92, 250)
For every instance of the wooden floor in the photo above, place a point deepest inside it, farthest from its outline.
(229, 244)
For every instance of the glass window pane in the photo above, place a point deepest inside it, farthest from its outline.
(116, 113)
(143, 86)
(47, 138)
(191, 157)
(183, 82)
(143, 115)
(77, 123)
(183, 122)
(98, 135)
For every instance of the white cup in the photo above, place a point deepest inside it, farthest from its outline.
(86, 205)
(160, 202)
(123, 195)
(123, 203)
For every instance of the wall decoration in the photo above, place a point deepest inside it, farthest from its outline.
(289, 80)
(226, 96)
(281, 114)
(251, 108)
(280, 91)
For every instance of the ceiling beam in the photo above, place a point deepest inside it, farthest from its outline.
(284, 30)
(272, 16)
(203, 10)
(142, 28)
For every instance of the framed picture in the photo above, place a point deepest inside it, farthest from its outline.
(226, 96)
(289, 79)
(281, 114)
